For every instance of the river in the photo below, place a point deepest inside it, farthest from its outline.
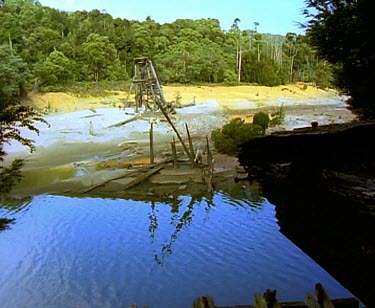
(95, 252)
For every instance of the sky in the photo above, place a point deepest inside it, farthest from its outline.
(273, 16)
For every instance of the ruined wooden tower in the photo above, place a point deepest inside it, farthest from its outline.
(146, 86)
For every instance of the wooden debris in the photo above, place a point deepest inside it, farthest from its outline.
(174, 153)
(128, 173)
(152, 157)
(191, 147)
(143, 177)
(136, 117)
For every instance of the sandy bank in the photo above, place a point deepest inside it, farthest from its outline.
(225, 96)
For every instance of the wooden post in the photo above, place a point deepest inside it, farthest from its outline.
(190, 155)
(210, 162)
(152, 143)
(204, 302)
(174, 153)
(190, 142)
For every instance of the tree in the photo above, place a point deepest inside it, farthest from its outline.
(99, 53)
(13, 116)
(237, 32)
(54, 70)
(342, 33)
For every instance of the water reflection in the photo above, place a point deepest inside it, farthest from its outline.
(91, 252)
(182, 209)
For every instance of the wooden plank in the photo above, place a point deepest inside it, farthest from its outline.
(143, 177)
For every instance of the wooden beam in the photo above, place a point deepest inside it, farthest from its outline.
(143, 177)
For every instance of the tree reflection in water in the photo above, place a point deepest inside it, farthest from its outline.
(179, 220)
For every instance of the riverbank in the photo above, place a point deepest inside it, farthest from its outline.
(82, 131)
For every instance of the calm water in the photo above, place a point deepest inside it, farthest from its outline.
(91, 252)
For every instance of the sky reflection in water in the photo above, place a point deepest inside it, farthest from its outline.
(91, 252)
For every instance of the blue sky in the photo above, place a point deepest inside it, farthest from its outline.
(273, 16)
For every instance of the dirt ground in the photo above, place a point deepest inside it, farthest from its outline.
(58, 157)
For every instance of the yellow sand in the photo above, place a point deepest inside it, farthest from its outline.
(225, 96)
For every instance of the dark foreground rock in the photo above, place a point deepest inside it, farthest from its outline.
(323, 185)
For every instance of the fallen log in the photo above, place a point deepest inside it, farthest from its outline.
(161, 164)
(136, 117)
(143, 177)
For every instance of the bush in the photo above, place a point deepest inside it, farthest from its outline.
(231, 135)
(277, 117)
(262, 119)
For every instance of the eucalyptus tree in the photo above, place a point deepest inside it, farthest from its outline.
(237, 32)
(290, 47)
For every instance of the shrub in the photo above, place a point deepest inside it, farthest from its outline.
(277, 117)
(262, 119)
(231, 135)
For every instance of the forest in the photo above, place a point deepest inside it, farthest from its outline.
(64, 48)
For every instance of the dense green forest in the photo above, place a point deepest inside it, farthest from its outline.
(64, 47)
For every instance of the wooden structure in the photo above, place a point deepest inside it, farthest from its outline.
(320, 299)
(146, 86)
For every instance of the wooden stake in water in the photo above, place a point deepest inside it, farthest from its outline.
(190, 142)
(152, 160)
(174, 153)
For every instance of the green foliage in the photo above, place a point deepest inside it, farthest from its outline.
(14, 77)
(230, 78)
(99, 54)
(81, 46)
(231, 135)
(261, 119)
(277, 117)
(55, 70)
(342, 33)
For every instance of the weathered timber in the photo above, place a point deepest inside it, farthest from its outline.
(143, 177)
(136, 117)
(152, 157)
(174, 153)
(191, 147)
(129, 173)
(204, 302)
(338, 303)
